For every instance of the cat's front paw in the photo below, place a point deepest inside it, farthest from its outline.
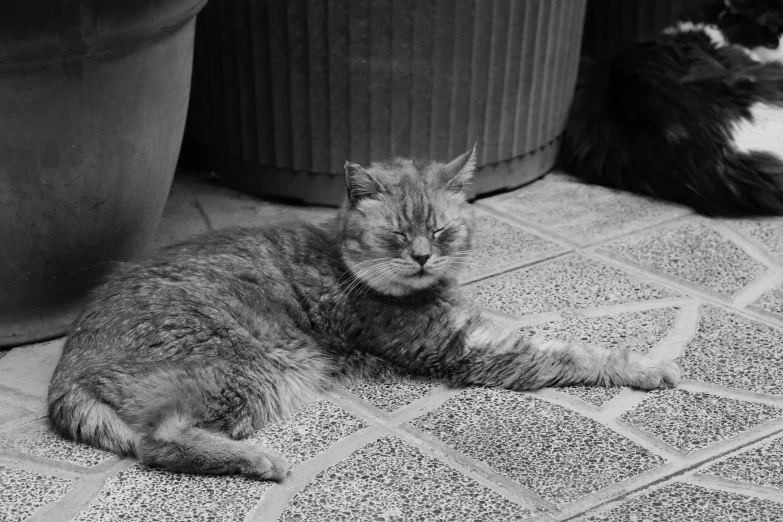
(266, 464)
(657, 374)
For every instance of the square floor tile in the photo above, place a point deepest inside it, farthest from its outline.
(771, 301)
(768, 233)
(23, 492)
(695, 253)
(639, 331)
(688, 502)
(762, 466)
(142, 493)
(548, 449)
(498, 245)
(36, 439)
(390, 480)
(692, 421)
(564, 283)
(584, 213)
(390, 395)
(730, 350)
(309, 432)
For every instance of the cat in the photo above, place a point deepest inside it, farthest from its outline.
(181, 355)
(693, 116)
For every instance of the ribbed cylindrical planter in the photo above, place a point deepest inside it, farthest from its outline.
(93, 99)
(285, 92)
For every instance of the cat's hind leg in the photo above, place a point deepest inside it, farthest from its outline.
(185, 423)
(173, 438)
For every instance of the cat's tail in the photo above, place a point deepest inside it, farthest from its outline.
(750, 183)
(664, 159)
(77, 414)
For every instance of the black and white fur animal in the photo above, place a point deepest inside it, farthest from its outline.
(693, 116)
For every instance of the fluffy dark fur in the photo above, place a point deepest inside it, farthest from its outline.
(693, 116)
(179, 356)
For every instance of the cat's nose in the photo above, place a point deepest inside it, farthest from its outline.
(421, 259)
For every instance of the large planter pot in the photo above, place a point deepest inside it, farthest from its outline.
(93, 99)
(285, 92)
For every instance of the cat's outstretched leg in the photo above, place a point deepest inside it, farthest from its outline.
(496, 357)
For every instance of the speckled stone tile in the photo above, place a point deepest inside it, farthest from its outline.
(730, 350)
(692, 421)
(142, 493)
(309, 432)
(548, 449)
(771, 301)
(390, 480)
(563, 283)
(592, 394)
(639, 331)
(37, 440)
(762, 466)
(499, 245)
(23, 492)
(768, 233)
(390, 395)
(695, 253)
(585, 213)
(680, 501)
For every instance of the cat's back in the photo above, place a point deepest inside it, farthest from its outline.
(203, 284)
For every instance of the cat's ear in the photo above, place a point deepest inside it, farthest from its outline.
(360, 184)
(460, 171)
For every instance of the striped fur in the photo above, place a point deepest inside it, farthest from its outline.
(181, 355)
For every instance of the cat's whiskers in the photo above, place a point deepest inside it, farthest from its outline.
(364, 276)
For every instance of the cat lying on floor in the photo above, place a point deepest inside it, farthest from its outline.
(180, 356)
(694, 116)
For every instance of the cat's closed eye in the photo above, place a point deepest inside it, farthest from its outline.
(438, 232)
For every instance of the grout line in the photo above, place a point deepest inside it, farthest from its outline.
(399, 425)
(637, 436)
(474, 469)
(85, 489)
(735, 486)
(753, 249)
(203, 213)
(277, 499)
(511, 267)
(712, 299)
(675, 282)
(756, 288)
(685, 327)
(627, 400)
(731, 393)
(635, 306)
(692, 464)
(530, 227)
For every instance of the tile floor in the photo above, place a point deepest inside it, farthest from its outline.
(556, 258)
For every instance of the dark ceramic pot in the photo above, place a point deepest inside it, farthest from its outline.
(285, 92)
(93, 99)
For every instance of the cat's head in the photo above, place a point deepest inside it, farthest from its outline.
(756, 25)
(406, 225)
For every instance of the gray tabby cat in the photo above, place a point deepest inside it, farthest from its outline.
(180, 356)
